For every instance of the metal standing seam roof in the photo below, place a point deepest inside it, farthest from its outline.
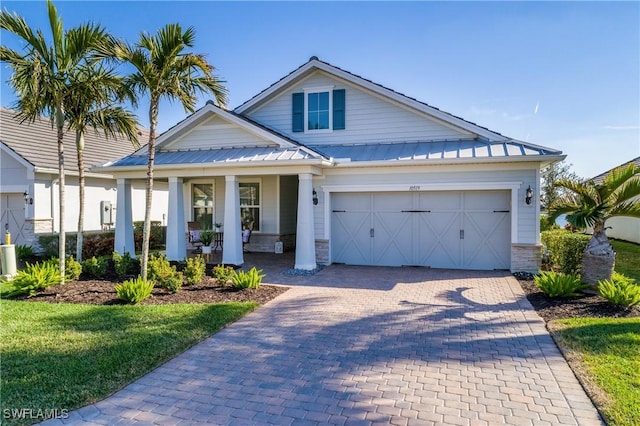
(429, 150)
(218, 156)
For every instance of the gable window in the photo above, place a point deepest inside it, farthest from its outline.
(250, 205)
(318, 110)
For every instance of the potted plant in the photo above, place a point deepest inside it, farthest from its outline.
(206, 237)
(218, 226)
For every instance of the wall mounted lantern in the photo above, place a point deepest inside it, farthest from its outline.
(27, 199)
(529, 196)
(315, 198)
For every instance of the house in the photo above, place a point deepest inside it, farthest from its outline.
(622, 228)
(344, 170)
(29, 181)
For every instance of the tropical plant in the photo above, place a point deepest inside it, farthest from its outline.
(556, 284)
(134, 290)
(73, 269)
(34, 277)
(123, 264)
(165, 275)
(42, 77)
(95, 91)
(251, 279)
(163, 70)
(590, 203)
(206, 237)
(194, 270)
(620, 290)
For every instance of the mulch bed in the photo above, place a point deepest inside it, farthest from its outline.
(573, 307)
(101, 292)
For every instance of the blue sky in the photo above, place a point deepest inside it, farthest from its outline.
(560, 74)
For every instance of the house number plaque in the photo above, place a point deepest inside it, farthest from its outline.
(414, 188)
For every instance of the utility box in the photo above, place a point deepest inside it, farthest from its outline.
(106, 214)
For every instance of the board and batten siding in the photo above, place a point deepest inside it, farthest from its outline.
(216, 133)
(369, 118)
(527, 229)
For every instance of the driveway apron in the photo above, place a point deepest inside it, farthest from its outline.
(366, 345)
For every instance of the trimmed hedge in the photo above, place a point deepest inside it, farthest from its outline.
(564, 249)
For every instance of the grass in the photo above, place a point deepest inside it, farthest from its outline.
(627, 258)
(608, 350)
(64, 356)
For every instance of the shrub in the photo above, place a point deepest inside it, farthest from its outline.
(251, 279)
(620, 290)
(72, 269)
(49, 244)
(546, 224)
(156, 234)
(134, 290)
(95, 267)
(35, 277)
(165, 275)
(555, 284)
(98, 245)
(565, 249)
(124, 265)
(195, 269)
(24, 252)
(223, 274)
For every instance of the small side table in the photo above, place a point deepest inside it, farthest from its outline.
(218, 240)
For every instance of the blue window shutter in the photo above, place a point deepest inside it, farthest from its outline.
(297, 113)
(338, 110)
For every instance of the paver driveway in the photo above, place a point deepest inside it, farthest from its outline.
(358, 345)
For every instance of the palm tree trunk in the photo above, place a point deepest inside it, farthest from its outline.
(80, 234)
(62, 241)
(153, 121)
(598, 259)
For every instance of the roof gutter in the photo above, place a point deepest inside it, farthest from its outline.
(433, 162)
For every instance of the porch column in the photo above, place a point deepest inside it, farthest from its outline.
(305, 234)
(124, 242)
(176, 236)
(232, 244)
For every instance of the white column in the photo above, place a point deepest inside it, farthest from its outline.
(176, 233)
(232, 244)
(124, 242)
(305, 235)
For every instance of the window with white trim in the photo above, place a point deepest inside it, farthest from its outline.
(250, 205)
(202, 204)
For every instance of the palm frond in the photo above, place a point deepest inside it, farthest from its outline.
(618, 177)
(626, 209)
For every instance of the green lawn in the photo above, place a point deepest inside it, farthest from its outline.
(609, 349)
(64, 356)
(627, 258)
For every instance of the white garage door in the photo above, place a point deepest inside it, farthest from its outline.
(442, 229)
(13, 214)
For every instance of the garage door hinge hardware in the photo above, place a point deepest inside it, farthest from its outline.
(501, 211)
(462, 234)
(339, 211)
(415, 211)
(371, 232)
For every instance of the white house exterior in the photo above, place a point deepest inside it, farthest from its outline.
(348, 171)
(29, 165)
(623, 228)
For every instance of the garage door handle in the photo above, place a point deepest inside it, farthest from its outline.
(415, 211)
(339, 211)
(462, 234)
(371, 232)
(501, 211)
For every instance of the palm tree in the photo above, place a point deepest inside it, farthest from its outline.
(164, 70)
(96, 91)
(41, 78)
(590, 204)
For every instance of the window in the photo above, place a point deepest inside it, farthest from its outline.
(202, 199)
(318, 110)
(250, 205)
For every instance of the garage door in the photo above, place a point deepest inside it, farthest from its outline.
(443, 229)
(13, 214)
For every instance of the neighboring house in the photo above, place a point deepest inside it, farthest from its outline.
(29, 185)
(622, 228)
(347, 171)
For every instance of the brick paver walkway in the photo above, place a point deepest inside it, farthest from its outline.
(357, 345)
